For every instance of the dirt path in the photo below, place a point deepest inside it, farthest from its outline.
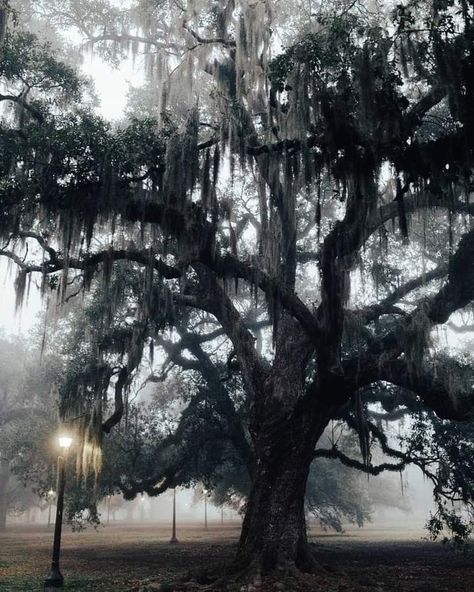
(117, 557)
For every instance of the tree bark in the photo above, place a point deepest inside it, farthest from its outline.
(274, 528)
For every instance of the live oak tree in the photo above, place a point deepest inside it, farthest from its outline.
(294, 180)
(192, 430)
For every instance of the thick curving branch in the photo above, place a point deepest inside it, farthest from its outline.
(226, 265)
(435, 391)
(222, 401)
(458, 292)
(386, 306)
(229, 266)
(461, 329)
(89, 261)
(415, 114)
(209, 41)
(335, 453)
(412, 119)
(254, 367)
(117, 414)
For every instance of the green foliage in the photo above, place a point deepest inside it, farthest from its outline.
(445, 452)
(325, 52)
(28, 63)
(336, 494)
(449, 526)
(140, 146)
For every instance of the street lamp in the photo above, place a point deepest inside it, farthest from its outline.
(206, 493)
(55, 578)
(108, 508)
(50, 498)
(174, 540)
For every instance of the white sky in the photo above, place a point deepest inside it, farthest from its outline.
(112, 84)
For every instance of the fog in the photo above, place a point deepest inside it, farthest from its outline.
(38, 329)
(413, 499)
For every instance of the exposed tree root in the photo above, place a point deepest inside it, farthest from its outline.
(296, 582)
(285, 579)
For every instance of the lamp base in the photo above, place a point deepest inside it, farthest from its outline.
(54, 580)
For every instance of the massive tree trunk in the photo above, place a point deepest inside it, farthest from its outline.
(274, 528)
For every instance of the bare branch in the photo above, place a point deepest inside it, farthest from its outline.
(414, 116)
(254, 367)
(230, 266)
(219, 40)
(462, 329)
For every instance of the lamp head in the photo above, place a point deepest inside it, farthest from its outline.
(65, 441)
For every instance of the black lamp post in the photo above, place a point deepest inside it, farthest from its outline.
(174, 540)
(55, 579)
(206, 493)
(50, 499)
(108, 509)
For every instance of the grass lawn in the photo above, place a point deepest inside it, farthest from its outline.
(116, 558)
(110, 558)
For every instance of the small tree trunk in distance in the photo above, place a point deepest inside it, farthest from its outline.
(4, 479)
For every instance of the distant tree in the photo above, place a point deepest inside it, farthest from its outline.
(25, 419)
(29, 379)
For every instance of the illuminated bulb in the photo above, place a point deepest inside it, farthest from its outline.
(65, 441)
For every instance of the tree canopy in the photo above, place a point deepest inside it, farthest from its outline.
(290, 219)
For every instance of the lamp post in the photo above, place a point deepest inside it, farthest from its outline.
(205, 492)
(174, 540)
(50, 498)
(108, 509)
(55, 579)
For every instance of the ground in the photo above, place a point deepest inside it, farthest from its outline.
(121, 557)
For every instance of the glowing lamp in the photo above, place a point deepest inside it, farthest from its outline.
(65, 442)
